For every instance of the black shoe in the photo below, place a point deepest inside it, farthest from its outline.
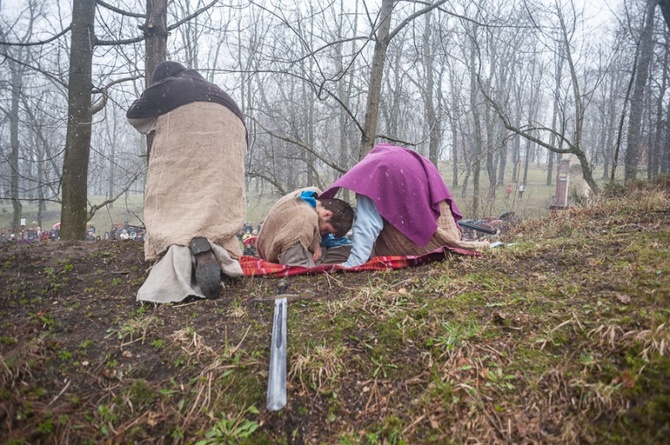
(207, 269)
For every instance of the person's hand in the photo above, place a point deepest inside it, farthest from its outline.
(317, 254)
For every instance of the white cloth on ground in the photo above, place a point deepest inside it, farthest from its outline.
(171, 279)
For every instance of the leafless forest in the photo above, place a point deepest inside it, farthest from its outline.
(481, 87)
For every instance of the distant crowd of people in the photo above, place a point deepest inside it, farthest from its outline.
(35, 234)
(120, 232)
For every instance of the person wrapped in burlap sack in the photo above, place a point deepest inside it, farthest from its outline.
(194, 200)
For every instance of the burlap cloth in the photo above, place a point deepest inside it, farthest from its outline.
(195, 187)
(392, 242)
(290, 221)
(195, 183)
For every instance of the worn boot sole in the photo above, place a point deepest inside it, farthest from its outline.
(207, 270)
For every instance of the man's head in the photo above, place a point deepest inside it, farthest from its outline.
(335, 216)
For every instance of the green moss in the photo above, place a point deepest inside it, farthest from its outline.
(647, 420)
(241, 386)
(141, 394)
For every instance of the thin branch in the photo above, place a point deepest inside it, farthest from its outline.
(269, 180)
(192, 16)
(34, 68)
(411, 17)
(401, 141)
(96, 207)
(100, 103)
(301, 145)
(120, 11)
(525, 132)
(169, 28)
(41, 42)
(119, 42)
(313, 85)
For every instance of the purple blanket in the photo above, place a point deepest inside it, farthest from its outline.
(405, 186)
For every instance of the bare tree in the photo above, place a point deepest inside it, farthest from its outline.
(17, 62)
(78, 139)
(453, 106)
(533, 132)
(477, 142)
(559, 60)
(16, 86)
(646, 46)
(382, 37)
(345, 90)
(432, 118)
(74, 214)
(655, 158)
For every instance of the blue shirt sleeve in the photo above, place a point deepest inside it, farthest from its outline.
(368, 223)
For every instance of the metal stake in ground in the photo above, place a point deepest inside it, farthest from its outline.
(276, 395)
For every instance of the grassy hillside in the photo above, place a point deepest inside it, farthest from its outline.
(562, 336)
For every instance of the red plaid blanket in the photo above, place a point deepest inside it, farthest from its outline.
(253, 266)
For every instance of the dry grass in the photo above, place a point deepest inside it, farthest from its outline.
(560, 337)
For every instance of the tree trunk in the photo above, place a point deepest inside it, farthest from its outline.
(516, 150)
(656, 149)
(476, 123)
(392, 106)
(431, 115)
(554, 114)
(502, 164)
(155, 34)
(344, 92)
(526, 162)
(78, 138)
(112, 163)
(41, 195)
(637, 99)
(454, 151)
(491, 155)
(608, 126)
(376, 74)
(17, 207)
(455, 112)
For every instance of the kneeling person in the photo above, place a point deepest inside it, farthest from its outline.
(294, 227)
(403, 207)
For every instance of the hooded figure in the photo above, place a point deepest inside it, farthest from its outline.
(194, 200)
(403, 206)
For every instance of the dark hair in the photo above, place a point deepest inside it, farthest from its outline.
(343, 215)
